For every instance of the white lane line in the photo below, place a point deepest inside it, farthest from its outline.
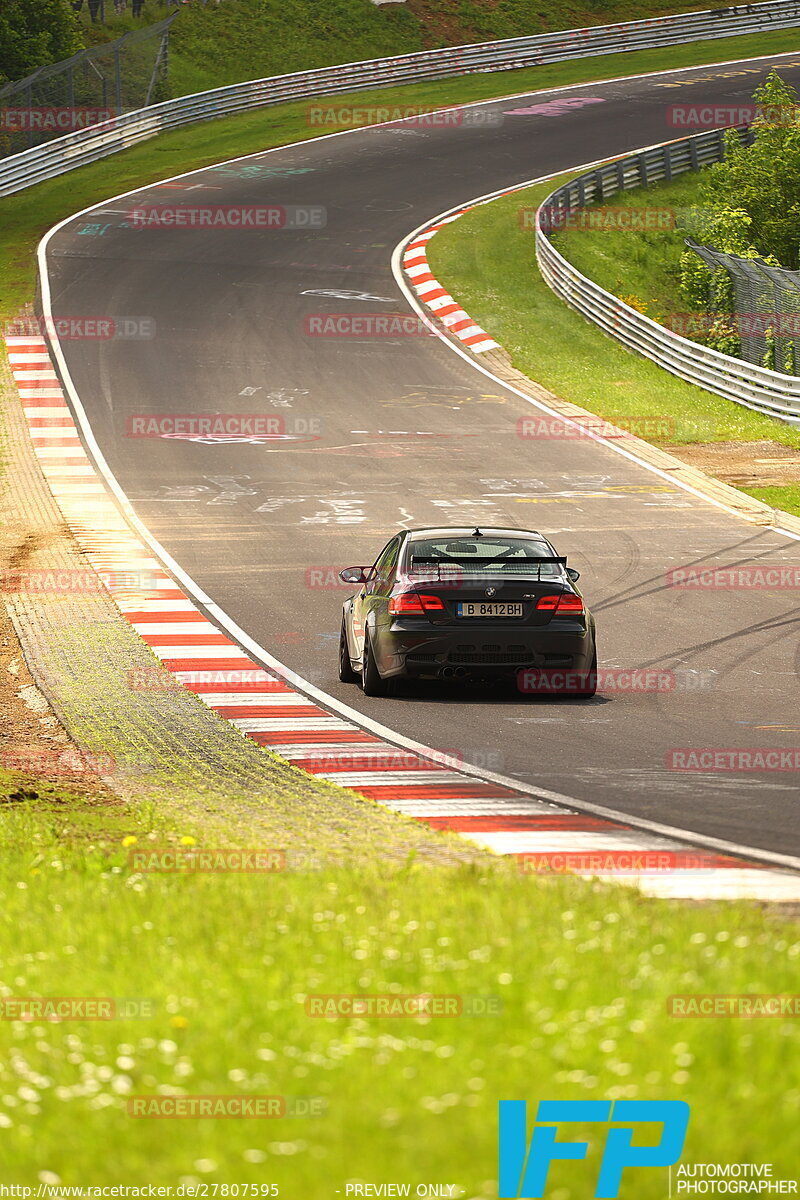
(200, 652)
(352, 753)
(195, 628)
(381, 778)
(288, 724)
(220, 675)
(558, 841)
(729, 884)
(73, 470)
(477, 806)
(255, 699)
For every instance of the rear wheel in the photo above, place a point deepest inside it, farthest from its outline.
(590, 687)
(371, 682)
(346, 672)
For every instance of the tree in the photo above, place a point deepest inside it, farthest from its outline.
(763, 180)
(34, 33)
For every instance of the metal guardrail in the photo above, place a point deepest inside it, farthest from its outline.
(29, 167)
(745, 383)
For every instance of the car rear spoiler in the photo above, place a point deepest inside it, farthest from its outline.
(421, 565)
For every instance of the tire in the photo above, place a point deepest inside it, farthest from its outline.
(346, 672)
(590, 690)
(371, 682)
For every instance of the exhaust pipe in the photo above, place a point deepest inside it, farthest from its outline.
(453, 672)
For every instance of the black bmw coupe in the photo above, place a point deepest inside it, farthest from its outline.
(471, 604)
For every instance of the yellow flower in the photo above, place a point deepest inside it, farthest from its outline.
(188, 841)
(178, 1022)
(130, 840)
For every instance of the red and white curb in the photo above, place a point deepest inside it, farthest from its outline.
(265, 708)
(437, 298)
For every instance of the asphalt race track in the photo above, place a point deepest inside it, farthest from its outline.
(391, 433)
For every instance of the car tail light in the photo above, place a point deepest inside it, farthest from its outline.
(565, 602)
(409, 604)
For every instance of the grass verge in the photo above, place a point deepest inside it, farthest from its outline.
(223, 965)
(215, 44)
(488, 262)
(642, 265)
(783, 496)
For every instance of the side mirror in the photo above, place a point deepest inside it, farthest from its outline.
(355, 574)
(573, 574)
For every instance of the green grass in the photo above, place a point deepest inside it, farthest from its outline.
(244, 39)
(488, 261)
(784, 496)
(226, 962)
(639, 264)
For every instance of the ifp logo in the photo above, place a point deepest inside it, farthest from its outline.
(523, 1170)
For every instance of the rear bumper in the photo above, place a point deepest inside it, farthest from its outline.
(421, 651)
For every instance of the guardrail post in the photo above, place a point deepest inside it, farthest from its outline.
(118, 80)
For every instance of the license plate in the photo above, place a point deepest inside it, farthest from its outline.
(481, 609)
